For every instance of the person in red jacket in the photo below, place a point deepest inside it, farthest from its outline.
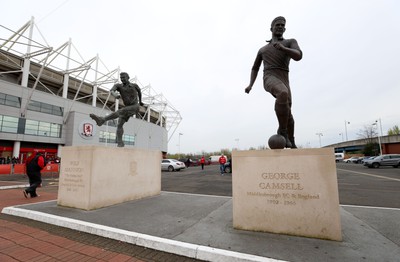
(34, 164)
(202, 162)
(222, 161)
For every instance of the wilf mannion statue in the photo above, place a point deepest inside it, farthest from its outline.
(132, 97)
(276, 56)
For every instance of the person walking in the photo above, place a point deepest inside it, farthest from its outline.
(34, 164)
(188, 162)
(276, 56)
(222, 161)
(202, 162)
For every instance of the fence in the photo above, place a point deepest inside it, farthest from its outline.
(20, 169)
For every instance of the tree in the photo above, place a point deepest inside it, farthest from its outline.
(226, 152)
(369, 133)
(394, 131)
(371, 149)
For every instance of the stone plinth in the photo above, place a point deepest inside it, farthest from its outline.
(293, 192)
(92, 177)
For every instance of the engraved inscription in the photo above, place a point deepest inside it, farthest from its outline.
(73, 177)
(280, 188)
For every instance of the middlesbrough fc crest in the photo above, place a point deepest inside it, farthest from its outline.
(87, 129)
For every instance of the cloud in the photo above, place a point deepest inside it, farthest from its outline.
(199, 55)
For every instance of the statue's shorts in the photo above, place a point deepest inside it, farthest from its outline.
(128, 111)
(277, 81)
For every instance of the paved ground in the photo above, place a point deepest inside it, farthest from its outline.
(186, 222)
(362, 186)
(24, 239)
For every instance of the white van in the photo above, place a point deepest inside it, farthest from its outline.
(215, 159)
(339, 157)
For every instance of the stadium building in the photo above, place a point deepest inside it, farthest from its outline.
(47, 94)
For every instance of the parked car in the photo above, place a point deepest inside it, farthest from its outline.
(189, 162)
(366, 158)
(172, 165)
(359, 160)
(195, 162)
(383, 160)
(228, 166)
(352, 159)
(339, 157)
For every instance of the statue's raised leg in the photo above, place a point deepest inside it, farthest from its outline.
(99, 120)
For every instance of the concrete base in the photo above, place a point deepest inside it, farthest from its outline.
(292, 192)
(93, 177)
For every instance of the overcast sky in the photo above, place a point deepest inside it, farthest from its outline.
(199, 55)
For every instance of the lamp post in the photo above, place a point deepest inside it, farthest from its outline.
(319, 135)
(341, 134)
(345, 128)
(179, 145)
(379, 138)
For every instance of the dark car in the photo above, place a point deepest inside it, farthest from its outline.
(228, 166)
(195, 162)
(190, 162)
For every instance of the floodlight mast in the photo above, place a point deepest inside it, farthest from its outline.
(379, 138)
(82, 70)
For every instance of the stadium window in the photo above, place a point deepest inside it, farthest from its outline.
(34, 106)
(45, 108)
(8, 124)
(102, 137)
(55, 130)
(129, 139)
(31, 127)
(44, 129)
(40, 128)
(107, 137)
(10, 100)
(57, 110)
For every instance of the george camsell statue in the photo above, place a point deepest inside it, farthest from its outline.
(132, 97)
(276, 56)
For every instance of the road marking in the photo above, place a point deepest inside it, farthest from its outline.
(192, 194)
(366, 174)
(371, 207)
(348, 184)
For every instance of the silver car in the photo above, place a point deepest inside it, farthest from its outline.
(383, 160)
(172, 165)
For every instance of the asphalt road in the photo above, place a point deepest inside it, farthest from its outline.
(358, 185)
(196, 181)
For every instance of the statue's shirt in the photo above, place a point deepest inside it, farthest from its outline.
(276, 64)
(129, 94)
(273, 58)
